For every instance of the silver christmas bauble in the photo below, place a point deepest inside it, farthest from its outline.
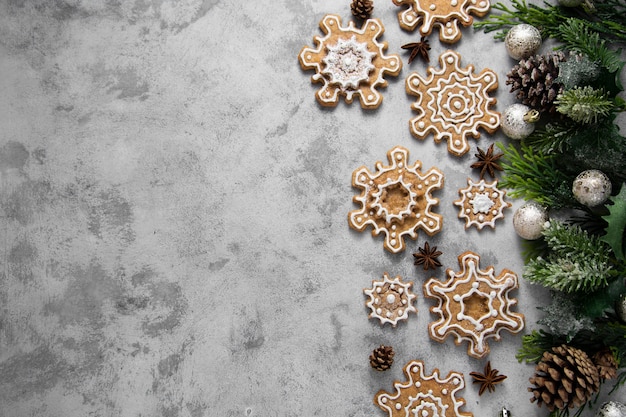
(612, 409)
(522, 41)
(591, 187)
(518, 121)
(529, 220)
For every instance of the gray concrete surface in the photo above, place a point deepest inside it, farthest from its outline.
(173, 206)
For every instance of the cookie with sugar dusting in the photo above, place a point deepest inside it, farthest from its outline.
(473, 305)
(349, 62)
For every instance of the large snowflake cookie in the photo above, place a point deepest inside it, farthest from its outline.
(452, 103)
(424, 395)
(349, 61)
(396, 200)
(473, 305)
(390, 300)
(481, 203)
(446, 14)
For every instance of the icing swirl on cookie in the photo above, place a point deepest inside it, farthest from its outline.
(348, 63)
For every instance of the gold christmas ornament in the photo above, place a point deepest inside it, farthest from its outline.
(522, 41)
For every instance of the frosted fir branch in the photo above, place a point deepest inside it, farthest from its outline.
(567, 275)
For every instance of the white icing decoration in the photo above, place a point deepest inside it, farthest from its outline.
(390, 291)
(453, 103)
(468, 286)
(348, 63)
(486, 202)
(410, 204)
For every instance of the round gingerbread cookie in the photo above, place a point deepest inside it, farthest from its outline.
(390, 300)
(481, 204)
(473, 305)
(349, 62)
(423, 395)
(453, 103)
(396, 200)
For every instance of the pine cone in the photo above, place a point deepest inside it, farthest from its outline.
(381, 358)
(534, 79)
(564, 378)
(606, 364)
(362, 8)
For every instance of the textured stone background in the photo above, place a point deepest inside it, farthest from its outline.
(173, 209)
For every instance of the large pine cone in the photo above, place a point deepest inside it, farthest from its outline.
(564, 378)
(381, 358)
(534, 80)
(606, 364)
(362, 8)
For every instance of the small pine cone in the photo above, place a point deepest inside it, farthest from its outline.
(564, 378)
(362, 8)
(606, 364)
(534, 81)
(381, 358)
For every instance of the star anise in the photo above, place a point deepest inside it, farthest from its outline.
(488, 380)
(487, 162)
(418, 48)
(427, 257)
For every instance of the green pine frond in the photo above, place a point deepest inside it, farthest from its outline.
(535, 176)
(584, 105)
(534, 344)
(577, 36)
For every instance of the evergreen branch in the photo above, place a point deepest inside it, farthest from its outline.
(577, 36)
(534, 176)
(584, 105)
(570, 240)
(534, 344)
(553, 138)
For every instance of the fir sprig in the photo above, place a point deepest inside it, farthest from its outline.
(584, 104)
(535, 176)
(577, 36)
(577, 262)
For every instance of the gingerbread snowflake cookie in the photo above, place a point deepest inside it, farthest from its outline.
(473, 305)
(444, 14)
(349, 61)
(453, 103)
(481, 204)
(396, 200)
(424, 395)
(390, 300)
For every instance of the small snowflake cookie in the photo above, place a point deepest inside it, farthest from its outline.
(390, 300)
(473, 305)
(424, 395)
(452, 103)
(481, 204)
(349, 61)
(446, 14)
(396, 200)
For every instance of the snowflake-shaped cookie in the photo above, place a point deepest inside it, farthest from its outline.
(390, 300)
(474, 305)
(481, 204)
(396, 200)
(424, 395)
(349, 61)
(452, 103)
(446, 14)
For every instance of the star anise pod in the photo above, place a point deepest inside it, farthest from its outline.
(488, 162)
(427, 257)
(418, 48)
(488, 380)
